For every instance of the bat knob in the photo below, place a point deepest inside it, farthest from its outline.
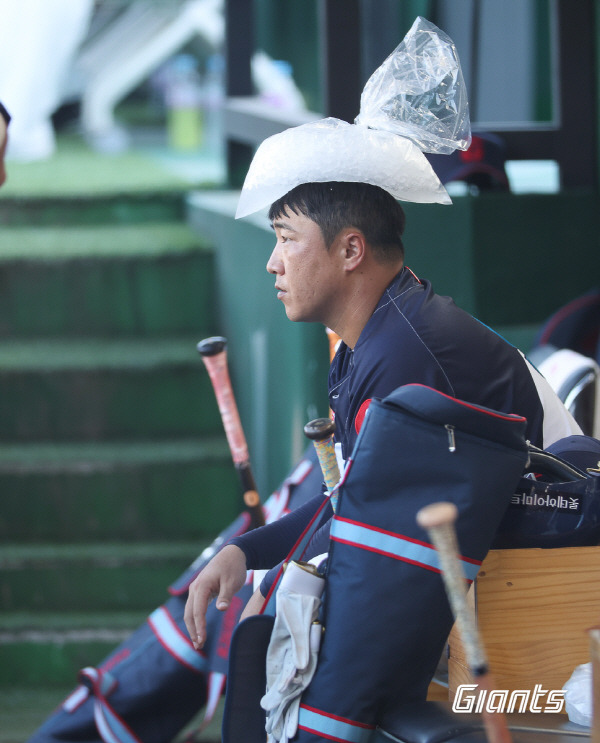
(212, 346)
(319, 429)
(437, 514)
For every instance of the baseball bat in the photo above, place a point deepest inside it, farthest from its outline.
(320, 431)
(334, 341)
(214, 355)
(438, 520)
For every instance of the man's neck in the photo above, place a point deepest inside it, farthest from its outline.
(361, 301)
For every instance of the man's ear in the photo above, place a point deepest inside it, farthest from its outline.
(354, 248)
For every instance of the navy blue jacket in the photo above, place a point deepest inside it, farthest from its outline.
(413, 336)
(417, 336)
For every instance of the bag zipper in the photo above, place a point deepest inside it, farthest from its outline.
(451, 438)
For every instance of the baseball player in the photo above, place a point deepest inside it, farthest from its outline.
(333, 190)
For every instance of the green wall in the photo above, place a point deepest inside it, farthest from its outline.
(509, 259)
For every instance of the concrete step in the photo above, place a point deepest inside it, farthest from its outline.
(99, 389)
(114, 206)
(50, 648)
(109, 280)
(120, 490)
(91, 577)
(110, 493)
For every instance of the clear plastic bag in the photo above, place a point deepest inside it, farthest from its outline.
(333, 150)
(578, 695)
(419, 92)
(415, 102)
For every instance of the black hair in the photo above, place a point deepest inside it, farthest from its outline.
(335, 205)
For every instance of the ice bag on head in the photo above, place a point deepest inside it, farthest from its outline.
(333, 150)
(419, 92)
(414, 103)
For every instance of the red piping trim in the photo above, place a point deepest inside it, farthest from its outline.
(178, 658)
(291, 552)
(491, 413)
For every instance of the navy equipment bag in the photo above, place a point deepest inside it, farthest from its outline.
(556, 502)
(386, 614)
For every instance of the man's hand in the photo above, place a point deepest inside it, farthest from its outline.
(224, 575)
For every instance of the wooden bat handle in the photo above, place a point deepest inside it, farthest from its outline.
(214, 355)
(320, 431)
(438, 520)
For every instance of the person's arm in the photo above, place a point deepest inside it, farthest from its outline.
(221, 578)
(225, 574)
(318, 545)
(269, 545)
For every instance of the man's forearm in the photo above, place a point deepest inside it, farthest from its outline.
(268, 545)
